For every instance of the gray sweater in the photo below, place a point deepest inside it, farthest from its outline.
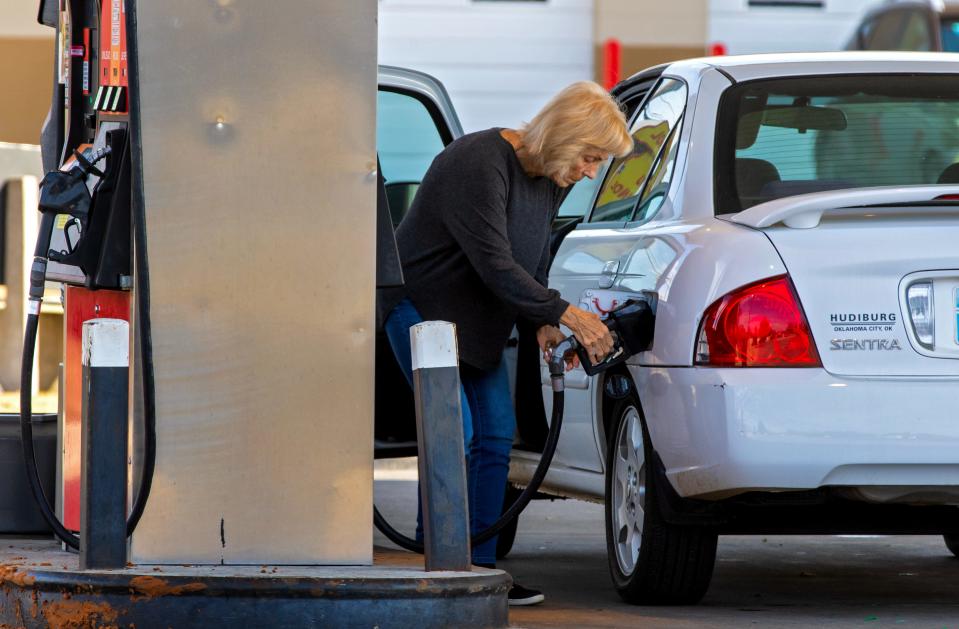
(475, 245)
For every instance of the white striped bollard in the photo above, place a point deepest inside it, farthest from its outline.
(103, 476)
(442, 458)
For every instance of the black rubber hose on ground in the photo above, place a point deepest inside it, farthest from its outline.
(522, 501)
(26, 433)
(149, 395)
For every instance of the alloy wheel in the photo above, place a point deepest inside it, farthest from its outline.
(629, 490)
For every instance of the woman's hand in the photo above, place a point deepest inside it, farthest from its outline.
(550, 336)
(590, 331)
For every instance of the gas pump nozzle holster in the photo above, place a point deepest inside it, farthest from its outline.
(62, 192)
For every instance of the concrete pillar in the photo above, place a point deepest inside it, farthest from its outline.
(258, 162)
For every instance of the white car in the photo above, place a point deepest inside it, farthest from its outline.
(793, 214)
(797, 218)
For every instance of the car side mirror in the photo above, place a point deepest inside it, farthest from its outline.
(400, 195)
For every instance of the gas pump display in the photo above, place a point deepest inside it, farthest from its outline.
(111, 92)
(94, 251)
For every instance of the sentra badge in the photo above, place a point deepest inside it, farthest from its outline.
(864, 345)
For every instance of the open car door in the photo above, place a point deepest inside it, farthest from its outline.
(415, 120)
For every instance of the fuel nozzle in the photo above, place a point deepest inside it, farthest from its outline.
(631, 325)
(557, 362)
(61, 192)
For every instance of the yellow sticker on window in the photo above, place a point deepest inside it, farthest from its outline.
(628, 175)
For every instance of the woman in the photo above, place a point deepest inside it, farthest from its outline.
(475, 251)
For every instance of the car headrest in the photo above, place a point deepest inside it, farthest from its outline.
(950, 174)
(752, 175)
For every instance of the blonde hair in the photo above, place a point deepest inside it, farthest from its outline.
(581, 117)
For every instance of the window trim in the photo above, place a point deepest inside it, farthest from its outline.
(724, 166)
(675, 132)
(587, 222)
(446, 134)
(631, 93)
(786, 4)
(436, 115)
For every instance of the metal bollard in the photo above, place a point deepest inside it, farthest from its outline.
(442, 459)
(103, 469)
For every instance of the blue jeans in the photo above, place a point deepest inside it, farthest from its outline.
(488, 426)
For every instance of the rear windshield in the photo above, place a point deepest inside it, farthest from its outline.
(950, 34)
(783, 137)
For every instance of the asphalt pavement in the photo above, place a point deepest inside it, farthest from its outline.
(759, 581)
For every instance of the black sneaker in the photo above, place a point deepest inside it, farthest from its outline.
(518, 596)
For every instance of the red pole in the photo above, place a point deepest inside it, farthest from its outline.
(717, 49)
(612, 55)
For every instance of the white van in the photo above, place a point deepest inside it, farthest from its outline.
(739, 27)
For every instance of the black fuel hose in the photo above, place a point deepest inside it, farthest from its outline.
(557, 369)
(146, 355)
(145, 338)
(38, 274)
(26, 434)
(142, 295)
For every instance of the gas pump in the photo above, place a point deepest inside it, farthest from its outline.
(90, 204)
(87, 210)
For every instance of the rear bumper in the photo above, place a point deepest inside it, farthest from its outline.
(721, 432)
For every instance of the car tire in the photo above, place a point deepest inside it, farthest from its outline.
(651, 561)
(507, 535)
(952, 542)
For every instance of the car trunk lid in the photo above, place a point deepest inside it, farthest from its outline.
(853, 256)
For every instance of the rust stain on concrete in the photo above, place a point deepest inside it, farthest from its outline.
(68, 614)
(151, 587)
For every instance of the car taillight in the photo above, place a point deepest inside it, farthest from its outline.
(758, 325)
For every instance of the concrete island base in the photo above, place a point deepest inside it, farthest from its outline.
(41, 586)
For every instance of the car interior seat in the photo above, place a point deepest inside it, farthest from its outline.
(950, 174)
(752, 175)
